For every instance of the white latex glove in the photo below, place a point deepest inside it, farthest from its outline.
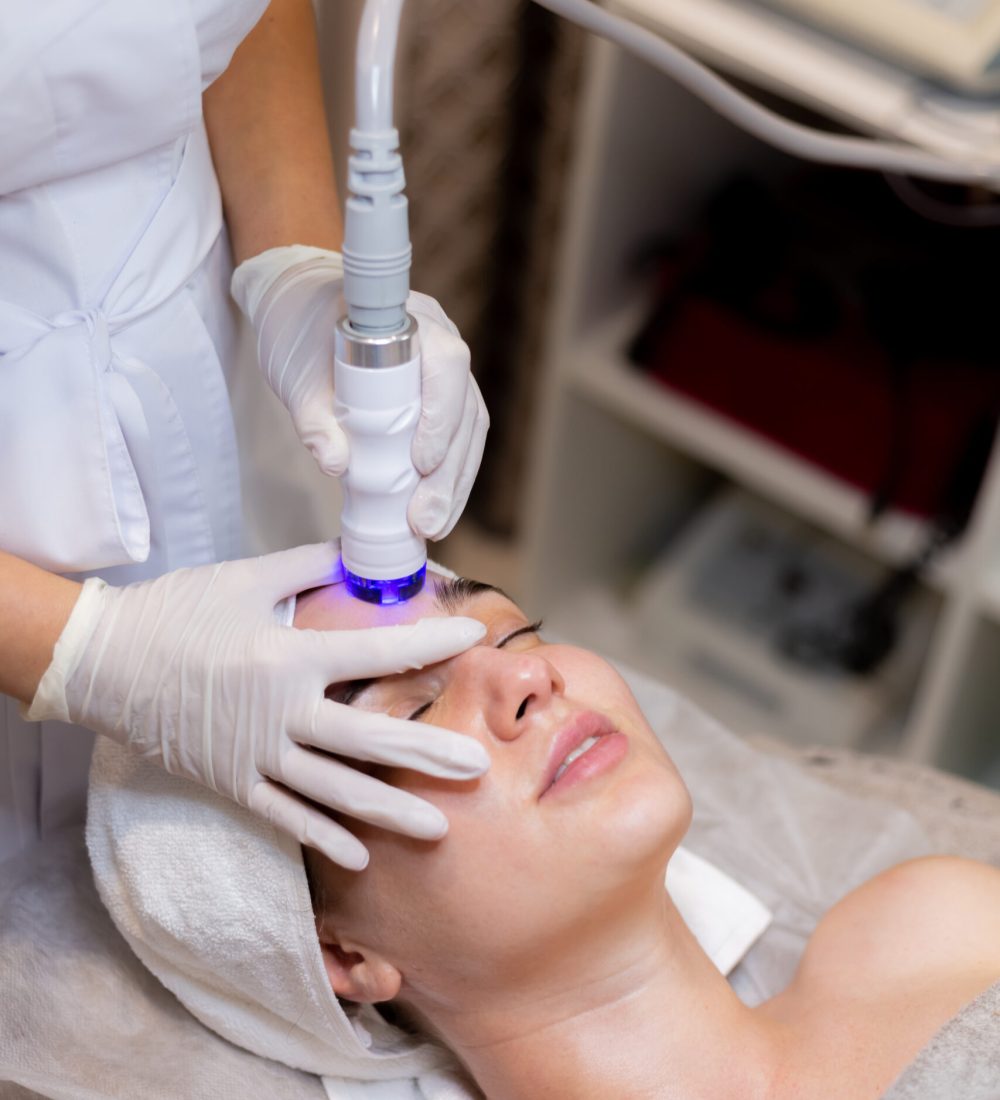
(293, 299)
(194, 671)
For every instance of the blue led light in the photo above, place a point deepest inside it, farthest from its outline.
(385, 592)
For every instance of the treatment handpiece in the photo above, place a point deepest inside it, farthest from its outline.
(377, 353)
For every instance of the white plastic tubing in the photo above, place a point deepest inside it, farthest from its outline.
(376, 51)
(375, 63)
(377, 248)
(791, 137)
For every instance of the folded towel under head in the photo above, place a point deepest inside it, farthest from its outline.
(215, 902)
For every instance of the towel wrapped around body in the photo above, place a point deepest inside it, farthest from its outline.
(962, 1060)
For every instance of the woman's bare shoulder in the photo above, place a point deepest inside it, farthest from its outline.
(925, 919)
(890, 964)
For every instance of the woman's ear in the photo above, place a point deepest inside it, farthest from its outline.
(357, 973)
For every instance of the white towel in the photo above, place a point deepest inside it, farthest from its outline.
(726, 919)
(215, 902)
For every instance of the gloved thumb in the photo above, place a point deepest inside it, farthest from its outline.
(325, 440)
(444, 381)
(287, 572)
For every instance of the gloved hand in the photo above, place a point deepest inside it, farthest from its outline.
(194, 671)
(292, 296)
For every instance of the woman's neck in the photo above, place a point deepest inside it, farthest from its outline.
(648, 1016)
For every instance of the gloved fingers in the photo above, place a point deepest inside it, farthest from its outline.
(469, 467)
(381, 739)
(322, 436)
(433, 506)
(299, 308)
(289, 340)
(288, 572)
(308, 825)
(349, 791)
(430, 505)
(295, 322)
(343, 655)
(305, 381)
(444, 379)
(254, 277)
(423, 305)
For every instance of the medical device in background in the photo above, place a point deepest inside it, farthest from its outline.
(942, 161)
(743, 583)
(377, 356)
(377, 369)
(957, 41)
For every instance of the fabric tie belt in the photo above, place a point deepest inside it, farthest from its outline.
(78, 483)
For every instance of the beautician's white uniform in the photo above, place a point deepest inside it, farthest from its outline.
(117, 448)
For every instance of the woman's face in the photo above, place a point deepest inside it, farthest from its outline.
(527, 862)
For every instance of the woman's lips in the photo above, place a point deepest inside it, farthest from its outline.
(609, 749)
(601, 757)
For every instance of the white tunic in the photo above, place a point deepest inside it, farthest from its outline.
(117, 448)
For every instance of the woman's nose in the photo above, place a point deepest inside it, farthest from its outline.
(513, 686)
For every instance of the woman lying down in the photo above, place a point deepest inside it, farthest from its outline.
(536, 941)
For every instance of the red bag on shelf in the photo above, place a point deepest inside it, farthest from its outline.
(833, 403)
(827, 318)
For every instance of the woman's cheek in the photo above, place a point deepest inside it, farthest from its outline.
(588, 676)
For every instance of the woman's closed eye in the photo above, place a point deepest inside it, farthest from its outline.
(529, 628)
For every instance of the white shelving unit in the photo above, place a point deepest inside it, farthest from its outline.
(603, 374)
(620, 463)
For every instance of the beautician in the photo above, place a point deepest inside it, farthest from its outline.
(133, 135)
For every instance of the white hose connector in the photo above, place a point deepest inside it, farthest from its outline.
(377, 249)
(376, 60)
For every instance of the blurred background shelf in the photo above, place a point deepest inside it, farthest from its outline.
(622, 466)
(990, 593)
(599, 369)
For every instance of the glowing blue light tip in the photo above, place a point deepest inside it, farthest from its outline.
(385, 592)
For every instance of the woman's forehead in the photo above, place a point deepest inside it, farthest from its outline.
(333, 608)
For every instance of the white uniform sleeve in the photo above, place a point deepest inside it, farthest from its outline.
(87, 83)
(221, 25)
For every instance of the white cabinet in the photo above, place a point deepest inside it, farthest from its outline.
(620, 463)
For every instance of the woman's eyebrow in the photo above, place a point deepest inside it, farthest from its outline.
(530, 628)
(452, 595)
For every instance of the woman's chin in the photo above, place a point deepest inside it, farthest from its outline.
(645, 817)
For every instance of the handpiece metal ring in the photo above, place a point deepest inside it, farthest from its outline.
(391, 349)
